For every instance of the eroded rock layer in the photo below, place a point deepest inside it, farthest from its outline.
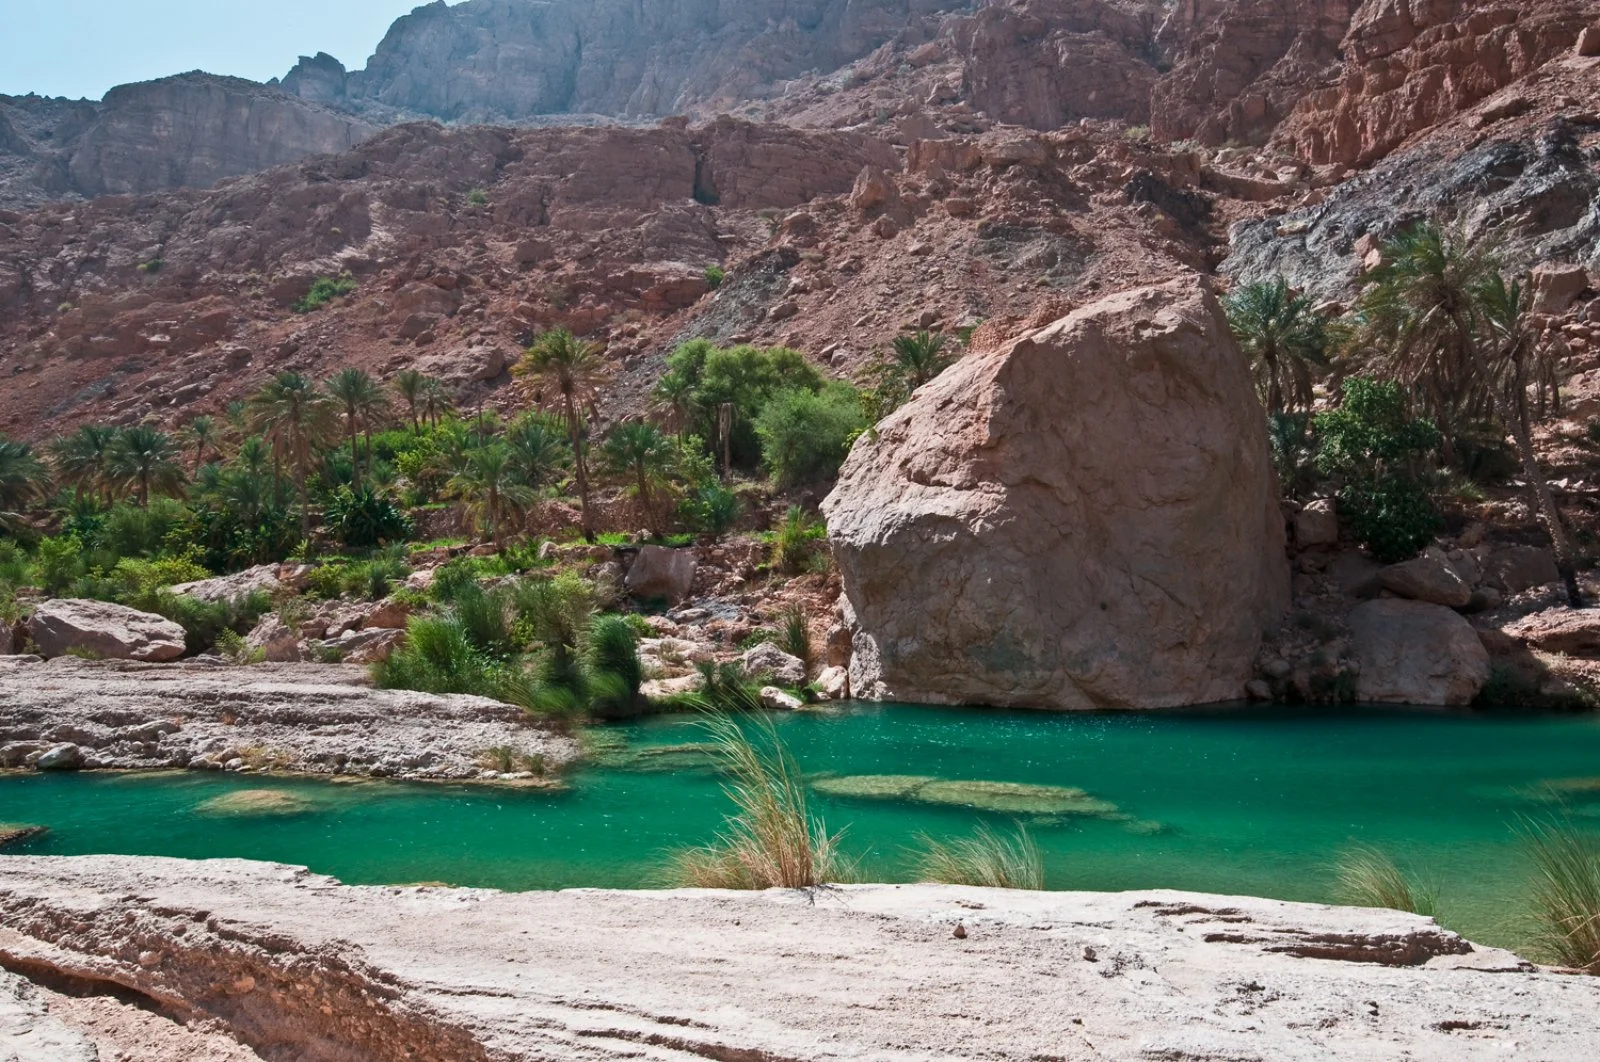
(1083, 518)
(297, 966)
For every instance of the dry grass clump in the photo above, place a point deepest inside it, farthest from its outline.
(1566, 892)
(1367, 877)
(986, 859)
(772, 840)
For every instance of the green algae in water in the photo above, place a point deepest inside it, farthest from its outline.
(669, 758)
(1007, 798)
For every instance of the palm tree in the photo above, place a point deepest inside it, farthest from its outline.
(83, 460)
(919, 358)
(23, 479)
(409, 384)
(149, 460)
(201, 432)
(640, 452)
(538, 448)
(1286, 340)
(433, 401)
(674, 396)
(296, 419)
(360, 402)
(1448, 324)
(566, 371)
(489, 486)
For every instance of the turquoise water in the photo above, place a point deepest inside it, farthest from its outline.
(1253, 802)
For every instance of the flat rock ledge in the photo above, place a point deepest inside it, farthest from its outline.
(301, 718)
(292, 965)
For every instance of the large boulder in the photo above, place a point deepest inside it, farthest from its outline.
(1575, 632)
(768, 661)
(262, 579)
(1518, 568)
(102, 629)
(658, 572)
(1429, 577)
(1084, 518)
(1412, 652)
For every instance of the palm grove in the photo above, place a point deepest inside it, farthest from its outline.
(1433, 366)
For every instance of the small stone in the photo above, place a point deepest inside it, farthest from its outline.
(61, 758)
(961, 932)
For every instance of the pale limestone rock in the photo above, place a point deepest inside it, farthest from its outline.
(1084, 518)
(869, 971)
(235, 587)
(105, 630)
(775, 700)
(834, 684)
(1575, 632)
(767, 659)
(1317, 524)
(1412, 652)
(279, 642)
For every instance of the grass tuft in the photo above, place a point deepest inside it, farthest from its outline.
(986, 859)
(1566, 892)
(772, 840)
(1367, 877)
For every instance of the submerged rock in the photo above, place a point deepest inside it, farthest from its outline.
(249, 802)
(1012, 798)
(1084, 518)
(12, 833)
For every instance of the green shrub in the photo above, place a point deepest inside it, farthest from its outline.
(613, 671)
(204, 622)
(715, 275)
(986, 860)
(806, 435)
(485, 618)
(1374, 448)
(60, 564)
(373, 579)
(796, 541)
(365, 519)
(1369, 878)
(477, 197)
(1391, 515)
(712, 510)
(1566, 892)
(438, 657)
(324, 290)
(795, 636)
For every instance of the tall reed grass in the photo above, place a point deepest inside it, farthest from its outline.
(1566, 892)
(987, 859)
(772, 840)
(1367, 877)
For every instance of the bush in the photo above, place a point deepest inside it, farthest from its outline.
(796, 541)
(204, 622)
(715, 275)
(1375, 448)
(613, 672)
(484, 617)
(438, 657)
(712, 509)
(477, 197)
(1566, 892)
(365, 519)
(806, 435)
(986, 859)
(324, 290)
(60, 564)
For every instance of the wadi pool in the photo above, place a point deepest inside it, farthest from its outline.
(1256, 802)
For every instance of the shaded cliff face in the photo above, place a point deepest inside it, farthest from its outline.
(189, 131)
(490, 60)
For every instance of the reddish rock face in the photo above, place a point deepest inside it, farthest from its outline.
(1411, 64)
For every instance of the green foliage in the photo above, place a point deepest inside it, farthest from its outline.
(613, 670)
(986, 859)
(204, 622)
(794, 636)
(715, 275)
(372, 579)
(324, 290)
(1287, 341)
(702, 378)
(1374, 448)
(1566, 892)
(60, 564)
(805, 435)
(485, 618)
(711, 510)
(438, 657)
(796, 541)
(1294, 452)
(477, 197)
(365, 519)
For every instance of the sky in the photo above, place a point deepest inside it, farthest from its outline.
(81, 48)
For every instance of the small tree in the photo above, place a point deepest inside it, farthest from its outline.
(1286, 340)
(147, 460)
(565, 372)
(409, 384)
(489, 486)
(641, 454)
(361, 402)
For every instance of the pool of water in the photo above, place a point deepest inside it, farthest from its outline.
(1250, 802)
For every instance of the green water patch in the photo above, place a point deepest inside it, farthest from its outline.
(1257, 802)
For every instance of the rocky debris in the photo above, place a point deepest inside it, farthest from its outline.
(1514, 569)
(1317, 524)
(391, 973)
(114, 632)
(768, 661)
(30, 1033)
(369, 645)
(1574, 632)
(1412, 652)
(661, 574)
(60, 758)
(316, 719)
(667, 688)
(262, 579)
(276, 641)
(999, 546)
(1428, 577)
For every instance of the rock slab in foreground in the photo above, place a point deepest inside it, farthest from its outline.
(1084, 518)
(297, 966)
(114, 632)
